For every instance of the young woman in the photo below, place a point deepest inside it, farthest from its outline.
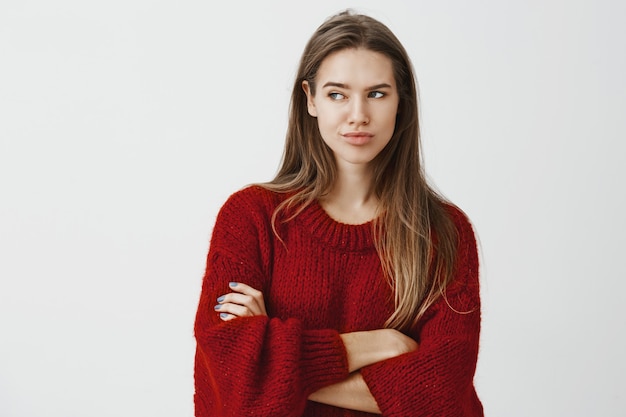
(346, 286)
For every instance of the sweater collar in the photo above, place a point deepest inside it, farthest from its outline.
(348, 237)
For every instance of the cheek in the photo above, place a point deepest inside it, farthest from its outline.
(327, 119)
(393, 115)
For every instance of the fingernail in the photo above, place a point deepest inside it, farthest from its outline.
(232, 284)
(223, 315)
(220, 298)
(217, 307)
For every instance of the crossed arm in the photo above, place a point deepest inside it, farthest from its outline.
(362, 349)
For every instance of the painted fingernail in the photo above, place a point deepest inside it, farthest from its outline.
(217, 307)
(220, 298)
(223, 315)
(232, 284)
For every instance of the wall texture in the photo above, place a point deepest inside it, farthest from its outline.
(124, 125)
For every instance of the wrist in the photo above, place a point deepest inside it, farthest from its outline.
(364, 348)
(368, 347)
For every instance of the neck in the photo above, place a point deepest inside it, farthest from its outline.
(351, 199)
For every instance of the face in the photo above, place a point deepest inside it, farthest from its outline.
(355, 103)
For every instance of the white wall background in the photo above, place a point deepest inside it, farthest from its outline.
(125, 124)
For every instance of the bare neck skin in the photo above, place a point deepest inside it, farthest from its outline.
(351, 199)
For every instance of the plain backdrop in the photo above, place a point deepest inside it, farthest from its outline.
(125, 124)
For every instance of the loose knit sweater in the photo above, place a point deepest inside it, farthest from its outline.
(324, 279)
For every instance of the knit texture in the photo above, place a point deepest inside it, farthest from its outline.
(322, 280)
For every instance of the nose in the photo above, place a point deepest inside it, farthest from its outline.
(359, 112)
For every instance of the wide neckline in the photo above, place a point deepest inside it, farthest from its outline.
(339, 235)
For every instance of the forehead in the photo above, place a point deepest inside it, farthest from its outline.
(355, 67)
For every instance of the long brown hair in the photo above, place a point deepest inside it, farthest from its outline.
(415, 237)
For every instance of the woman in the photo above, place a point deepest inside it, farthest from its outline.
(346, 286)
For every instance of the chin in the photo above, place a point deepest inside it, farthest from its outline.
(356, 160)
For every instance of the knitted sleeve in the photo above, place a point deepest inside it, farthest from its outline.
(258, 365)
(437, 379)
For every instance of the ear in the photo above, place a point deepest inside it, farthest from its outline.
(310, 103)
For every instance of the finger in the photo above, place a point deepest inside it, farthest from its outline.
(226, 316)
(252, 292)
(256, 307)
(246, 289)
(234, 309)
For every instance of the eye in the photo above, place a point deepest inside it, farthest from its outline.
(376, 94)
(336, 96)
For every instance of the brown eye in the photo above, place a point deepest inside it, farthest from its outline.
(376, 94)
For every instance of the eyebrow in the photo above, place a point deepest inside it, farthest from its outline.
(342, 85)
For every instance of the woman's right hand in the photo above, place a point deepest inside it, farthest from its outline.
(243, 301)
(368, 347)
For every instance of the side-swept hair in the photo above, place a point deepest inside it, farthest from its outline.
(415, 237)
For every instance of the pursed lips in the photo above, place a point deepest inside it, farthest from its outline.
(357, 138)
(357, 133)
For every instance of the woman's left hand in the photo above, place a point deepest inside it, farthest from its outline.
(244, 301)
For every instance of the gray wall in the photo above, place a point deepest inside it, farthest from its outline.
(124, 125)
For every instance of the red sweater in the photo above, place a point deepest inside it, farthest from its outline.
(325, 279)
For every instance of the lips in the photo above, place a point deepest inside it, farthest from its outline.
(358, 138)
